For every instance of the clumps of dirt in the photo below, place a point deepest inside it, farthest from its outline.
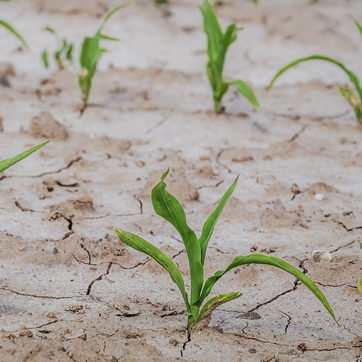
(342, 270)
(205, 172)
(236, 154)
(321, 188)
(83, 347)
(46, 126)
(280, 217)
(278, 189)
(6, 71)
(285, 150)
(84, 203)
(177, 185)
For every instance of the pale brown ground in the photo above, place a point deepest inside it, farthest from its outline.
(86, 297)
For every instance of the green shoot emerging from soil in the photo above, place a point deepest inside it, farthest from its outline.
(217, 46)
(5, 164)
(346, 93)
(63, 56)
(169, 208)
(7, 26)
(90, 55)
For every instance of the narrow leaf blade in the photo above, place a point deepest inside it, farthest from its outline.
(169, 208)
(106, 37)
(353, 78)
(269, 260)
(247, 92)
(215, 302)
(115, 10)
(12, 30)
(210, 223)
(359, 26)
(145, 247)
(5, 164)
(45, 58)
(212, 29)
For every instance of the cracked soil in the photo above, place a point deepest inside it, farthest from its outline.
(70, 291)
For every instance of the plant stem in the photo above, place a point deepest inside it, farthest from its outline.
(219, 108)
(358, 112)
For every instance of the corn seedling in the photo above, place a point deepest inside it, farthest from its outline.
(12, 30)
(90, 55)
(169, 208)
(346, 93)
(217, 46)
(63, 56)
(5, 164)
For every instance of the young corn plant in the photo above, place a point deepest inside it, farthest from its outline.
(198, 309)
(63, 56)
(90, 54)
(13, 31)
(346, 93)
(217, 46)
(5, 164)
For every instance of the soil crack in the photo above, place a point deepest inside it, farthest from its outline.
(99, 278)
(33, 295)
(185, 343)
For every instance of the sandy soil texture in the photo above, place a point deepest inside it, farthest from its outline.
(70, 291)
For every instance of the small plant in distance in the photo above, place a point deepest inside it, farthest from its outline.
(217, 46)
(90, 54)
(346, 93)
(169, 208)
(5, 164)
(63, 56)
(12, 30)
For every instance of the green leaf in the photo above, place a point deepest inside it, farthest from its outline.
(359, 26)
(217, 45)
(212, 29)
(360, 286)
(247, 92)
(106, 37)
(69, 53)
(7, 26)
(5, 164)
(210, 223)
(213, 303)
(353, 78)
(145, 247)
(349, 96)
(169, 208)
(45, 58)
(50, 30)
(262, 259)
(115, 10)
(90, 54)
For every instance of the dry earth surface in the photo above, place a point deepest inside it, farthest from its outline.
(70, 291)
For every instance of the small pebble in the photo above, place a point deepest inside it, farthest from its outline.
(321, 256)
(24, 332)
(319, 197)
(173, 341)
